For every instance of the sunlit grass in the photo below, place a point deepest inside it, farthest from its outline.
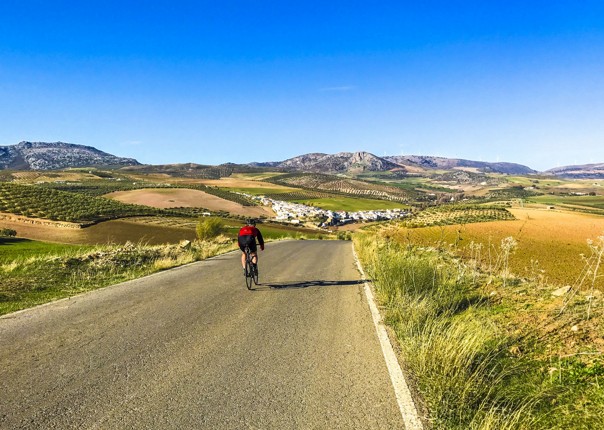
(29, 280)
(351, 204)
(459, 337)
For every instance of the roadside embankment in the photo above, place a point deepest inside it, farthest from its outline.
(488, 351)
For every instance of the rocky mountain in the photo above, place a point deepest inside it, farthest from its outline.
(583, 171)
(343, 162)
(57, 155)
(356, 162)
(442, 163)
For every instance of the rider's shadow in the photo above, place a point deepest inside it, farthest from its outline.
(307, 284)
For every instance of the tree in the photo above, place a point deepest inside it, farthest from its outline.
(7, 232)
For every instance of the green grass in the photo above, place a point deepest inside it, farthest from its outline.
(33, 272)
(325, 200)
(256, 176)
(595, 202)
(274, 231)
(259, 191)
(14, 248)
(413, 184)
(351, 204)
(43, 276)
(537, 181)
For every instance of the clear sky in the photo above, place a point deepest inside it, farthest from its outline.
(240, 81)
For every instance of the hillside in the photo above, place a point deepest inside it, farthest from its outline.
(358, 162)
(584, 171)
(343, 162)
(191, 170)
(442, 163)
(57, 155)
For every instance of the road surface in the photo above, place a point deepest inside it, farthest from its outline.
(192, 348)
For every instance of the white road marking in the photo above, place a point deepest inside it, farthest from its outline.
(401, 389)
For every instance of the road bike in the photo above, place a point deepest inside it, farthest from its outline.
(251, 270)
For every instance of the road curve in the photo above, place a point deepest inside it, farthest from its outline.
(192, 348)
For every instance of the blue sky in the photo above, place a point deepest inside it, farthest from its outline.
(241, 81)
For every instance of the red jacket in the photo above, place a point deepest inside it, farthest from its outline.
(248, 230)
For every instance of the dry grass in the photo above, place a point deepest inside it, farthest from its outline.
(489, 350)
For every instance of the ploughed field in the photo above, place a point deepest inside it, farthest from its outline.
(550, 242)
(184, 197)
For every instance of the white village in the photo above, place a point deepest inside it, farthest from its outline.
(297, 213)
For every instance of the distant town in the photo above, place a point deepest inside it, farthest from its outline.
(297, 213)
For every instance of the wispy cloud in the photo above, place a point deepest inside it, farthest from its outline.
(341, 89)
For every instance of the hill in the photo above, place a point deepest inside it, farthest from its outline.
(342, 162)
(442, 163)
(57, 155)
(358, 162)
(583, 171)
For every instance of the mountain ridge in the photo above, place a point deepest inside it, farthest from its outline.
(433, 162)
(579, 171)
(362, 161)
(341, 162)
(57, 155)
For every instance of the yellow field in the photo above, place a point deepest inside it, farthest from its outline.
(550, 242)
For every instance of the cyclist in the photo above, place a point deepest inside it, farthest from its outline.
(247, 236)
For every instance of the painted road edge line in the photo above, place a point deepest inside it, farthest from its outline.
(401, 389)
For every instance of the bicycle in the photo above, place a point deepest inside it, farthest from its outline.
(251, 272)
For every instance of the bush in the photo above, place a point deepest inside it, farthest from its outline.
(344, 235)
(209, 228)
(7, 232)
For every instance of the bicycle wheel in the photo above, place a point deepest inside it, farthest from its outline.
(249, 270)
(255, 274)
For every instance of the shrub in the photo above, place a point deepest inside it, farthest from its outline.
(209, 228)
(7, 232)
(344, 235)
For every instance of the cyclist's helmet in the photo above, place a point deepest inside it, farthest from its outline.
(251, 222)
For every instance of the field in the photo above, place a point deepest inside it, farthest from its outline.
(270, 230)
(350, 204)
(487, 351)
(183, 197)
(258, 176)
(550, 243)
(37, 202)
(572, 202)
(25, 248)
(344, 186)
(458, 214)
(115, 231)
(241, 184)
(470, 300)
(46, 272)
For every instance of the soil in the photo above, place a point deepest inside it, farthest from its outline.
(182, 197)
(118, 231)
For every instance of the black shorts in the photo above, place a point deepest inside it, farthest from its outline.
(248, 240)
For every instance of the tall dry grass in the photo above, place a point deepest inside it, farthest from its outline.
(460, 359)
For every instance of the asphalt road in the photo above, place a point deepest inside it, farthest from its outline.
(192, 348)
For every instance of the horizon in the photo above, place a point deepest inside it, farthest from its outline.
(207, 84)
(319, 153)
